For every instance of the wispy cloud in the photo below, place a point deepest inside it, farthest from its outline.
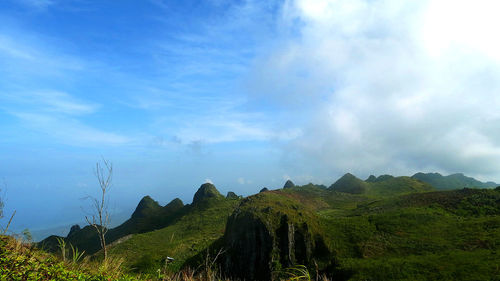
(32, 69)
(70, 131)
(222, 121)
(25, 58)
(48, 102)
(54, 116)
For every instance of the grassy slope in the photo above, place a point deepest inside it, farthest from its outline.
(202, 224)
(397, 186)
(431, 236)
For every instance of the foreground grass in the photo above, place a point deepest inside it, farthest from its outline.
(21, 261)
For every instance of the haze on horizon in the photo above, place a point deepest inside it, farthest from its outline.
(244, 94)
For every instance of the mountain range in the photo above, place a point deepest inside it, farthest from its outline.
(414, 228)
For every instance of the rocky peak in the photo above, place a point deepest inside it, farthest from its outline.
(74, 229)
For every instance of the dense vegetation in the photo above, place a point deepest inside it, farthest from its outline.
(384, 228)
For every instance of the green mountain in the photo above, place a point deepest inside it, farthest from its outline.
(148, 216)
(384, 185)
(454, 181)
(206, 190)
(348, 183)
(384, 228)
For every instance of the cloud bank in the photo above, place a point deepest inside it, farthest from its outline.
(388, 86)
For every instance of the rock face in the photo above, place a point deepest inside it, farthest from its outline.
(261, 241)
(264, 190)
(289, 184)
(250, 244)
(349, 184)
(206, 190)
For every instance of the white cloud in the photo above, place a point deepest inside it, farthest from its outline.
(30, 54)
(376, 91)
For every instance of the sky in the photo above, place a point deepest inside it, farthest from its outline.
(243, 94)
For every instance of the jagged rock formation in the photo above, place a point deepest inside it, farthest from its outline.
(264, 190)
(289, 184)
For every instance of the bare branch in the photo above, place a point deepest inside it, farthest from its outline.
(100, 219)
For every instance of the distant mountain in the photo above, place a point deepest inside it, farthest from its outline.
(453, 181)
(289, 184)
(206, 190)
(148, 216)
(373, 178)
(348, 183)
(231, 195)
(384, 185)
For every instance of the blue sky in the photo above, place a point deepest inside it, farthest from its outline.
(245, 94)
